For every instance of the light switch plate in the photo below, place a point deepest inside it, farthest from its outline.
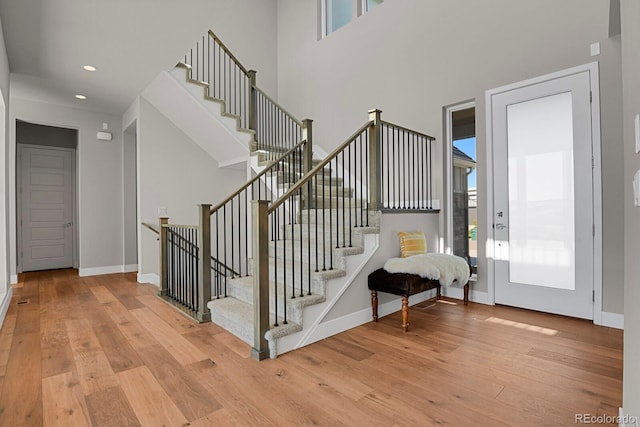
(162, 213)
(595, 49)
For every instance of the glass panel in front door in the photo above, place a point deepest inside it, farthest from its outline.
(541, 225)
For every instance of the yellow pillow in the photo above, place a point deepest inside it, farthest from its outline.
(412, 243)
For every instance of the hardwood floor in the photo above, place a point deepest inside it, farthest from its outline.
(104, 351)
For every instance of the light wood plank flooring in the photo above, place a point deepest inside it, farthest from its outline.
(104, 351)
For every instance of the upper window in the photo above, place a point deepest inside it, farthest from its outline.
(337, 13)
(370, 4)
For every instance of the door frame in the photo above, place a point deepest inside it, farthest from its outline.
(447, 242)
(74, 202)
(592, 69)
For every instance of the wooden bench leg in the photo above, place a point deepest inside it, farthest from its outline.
(466, 294)
(405, 313)
(439, 293)
(374, 305)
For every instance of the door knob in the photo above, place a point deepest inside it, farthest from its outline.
(500, 226)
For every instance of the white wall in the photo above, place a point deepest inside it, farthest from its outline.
(630, 72)
(358, 297)
(412, 57)
(99, 169)
(174, 173)
(5, 282)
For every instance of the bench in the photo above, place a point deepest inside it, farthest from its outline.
(405, 285)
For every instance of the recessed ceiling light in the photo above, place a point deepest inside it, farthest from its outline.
(89, 68)
(81, 97)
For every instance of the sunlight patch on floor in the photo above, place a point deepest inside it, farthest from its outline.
(525, 326)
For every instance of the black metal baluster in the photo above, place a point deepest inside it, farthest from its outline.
(217, 281)
(413, 170)
(352, 208)
(190, 280)
(232, 239)
(274, 226)
(366, 164)
(324, 219)
(330, 220)
(343, 203)
(246, 233)
(430, 181)
(388, 204)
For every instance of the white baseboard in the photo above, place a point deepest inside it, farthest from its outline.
(626, 420)
(612, 320)
(96, 271)
(4, 304)
(341, 324)
(14, 279)
(130, 268)
(458, 293)
(151, 278)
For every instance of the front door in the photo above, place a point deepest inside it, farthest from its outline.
(543, 196)
(47, 208)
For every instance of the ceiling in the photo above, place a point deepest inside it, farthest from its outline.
(128, 41)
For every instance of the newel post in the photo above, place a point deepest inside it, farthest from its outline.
(307, 151)
(260, 241)
(374, 159)
(204, 264)
(253, 101)
(163, 221)
(307, 158)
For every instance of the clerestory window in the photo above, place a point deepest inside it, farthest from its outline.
(335, 14)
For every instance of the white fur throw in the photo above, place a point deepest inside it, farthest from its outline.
(442, 267)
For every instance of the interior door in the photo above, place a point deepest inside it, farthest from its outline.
(47, 208)
(543, 196)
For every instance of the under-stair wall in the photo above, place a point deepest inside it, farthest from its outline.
(174, 173)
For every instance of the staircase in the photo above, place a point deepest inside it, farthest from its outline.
(309, 261)
(281, 250)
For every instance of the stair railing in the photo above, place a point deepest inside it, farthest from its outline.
(230, 220)
(333, 198)
(185, 264)
(212, 64)
(405, 169)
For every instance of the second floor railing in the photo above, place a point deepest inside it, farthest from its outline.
(211, 63)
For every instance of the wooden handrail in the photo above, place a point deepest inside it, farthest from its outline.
(257, 177)
(391, 125)
(316, 169)
(151, 227)
(293, 119)
(228, 52)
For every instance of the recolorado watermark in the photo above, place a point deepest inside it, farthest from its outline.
(605, 419)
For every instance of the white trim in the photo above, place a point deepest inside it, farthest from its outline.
(626, 420)
(130, 268)
(611, 320)
(14, 279)
(4, 305)
(592, 68)
(151, 278)
(352, 320)
(233, 162)
(97, 271)
(597, 193)
(458, 293)
(364, 258)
